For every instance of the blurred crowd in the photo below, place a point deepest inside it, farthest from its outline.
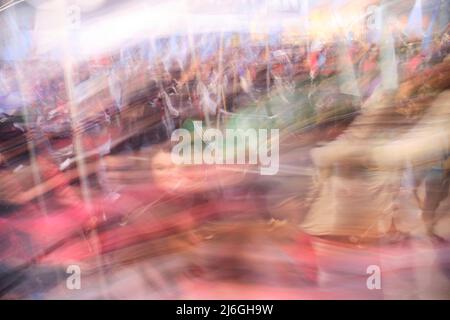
(71, 115)
(165, 87)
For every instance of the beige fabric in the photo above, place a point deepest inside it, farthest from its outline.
(361, 174)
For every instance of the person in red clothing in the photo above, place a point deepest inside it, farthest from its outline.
(369, 63)
(415, 63)
(316, 60)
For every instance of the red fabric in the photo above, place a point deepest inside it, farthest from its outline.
(303, 254)
(414, 64)
(314, 61)
(368, 65)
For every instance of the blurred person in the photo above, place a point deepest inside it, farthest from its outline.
(360, 158)
(415, 63)
(208, 102)
(369, 71)
(317, 59)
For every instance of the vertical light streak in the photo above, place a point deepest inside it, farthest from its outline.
(221, 75)
(25, 93)
(77, 140)
(79, 152)
(37, 180)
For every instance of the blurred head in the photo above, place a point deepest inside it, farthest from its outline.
(374, 51)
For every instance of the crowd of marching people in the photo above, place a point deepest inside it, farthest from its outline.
(136, 96)
(144, 97)
(60, 115)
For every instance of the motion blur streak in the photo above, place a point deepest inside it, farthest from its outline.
(91, 92)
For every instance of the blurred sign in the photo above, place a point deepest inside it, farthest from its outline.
(371, 17)
(73, 17)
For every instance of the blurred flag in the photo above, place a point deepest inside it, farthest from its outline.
(414, 26)
(374, 24)
(429, 33)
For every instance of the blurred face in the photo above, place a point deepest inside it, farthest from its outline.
(171, 177)
(373, 53)
(192, 178)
